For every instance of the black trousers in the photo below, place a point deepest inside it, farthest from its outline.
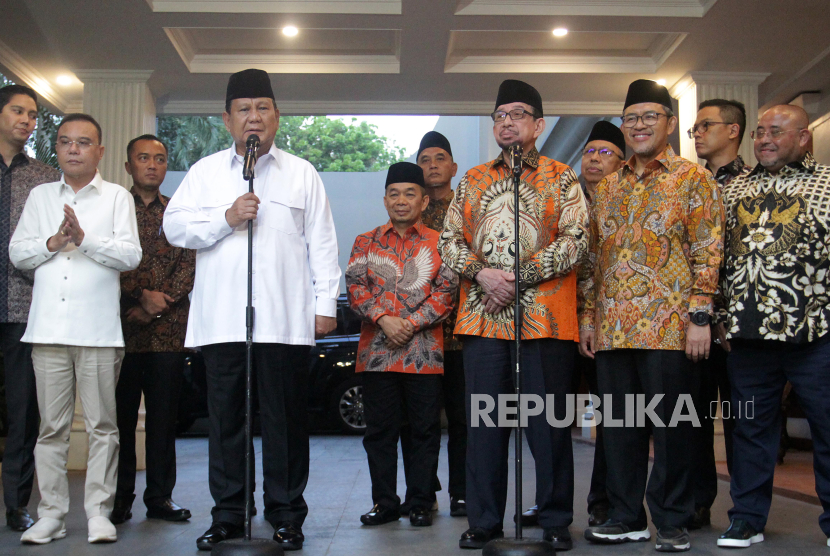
(388, 400)
(281, 380)
(668, 491)
(597, 496)
(713, 379)
(159, 376)
(452, 392)
(758, 371)
(547, 368)
(23, 416)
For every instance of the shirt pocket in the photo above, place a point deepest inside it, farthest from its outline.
(215, 205)
(286, 212)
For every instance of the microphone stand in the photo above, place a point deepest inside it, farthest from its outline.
(517, 546)
(246, 546)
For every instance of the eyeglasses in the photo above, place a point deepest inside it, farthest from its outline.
(82, 144)
(774, 133)
(703, 127)
(649, 119)
(500, 116)
(604, 153)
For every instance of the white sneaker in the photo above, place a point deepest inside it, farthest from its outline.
(101, 529)
(44, 531)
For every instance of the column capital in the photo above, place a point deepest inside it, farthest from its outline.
(124, 76)
(716, 78)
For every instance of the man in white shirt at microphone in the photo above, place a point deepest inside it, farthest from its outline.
(296, 281)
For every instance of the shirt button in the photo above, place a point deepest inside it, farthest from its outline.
(67, 258)
(63, 299)
(65, 278)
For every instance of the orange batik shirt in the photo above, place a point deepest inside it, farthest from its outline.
(400, 277)
(479, 231)
(655, 249)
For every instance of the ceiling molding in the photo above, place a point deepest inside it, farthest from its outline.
(27, 75)
(383, 7)
(102, 76)
(365, 108)
(592, 8)
(716, 78)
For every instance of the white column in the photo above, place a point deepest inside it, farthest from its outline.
(124, 106)
(697, 86)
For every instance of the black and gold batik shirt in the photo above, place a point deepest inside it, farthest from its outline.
(777, 275)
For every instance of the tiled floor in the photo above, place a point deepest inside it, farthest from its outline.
(339, 491)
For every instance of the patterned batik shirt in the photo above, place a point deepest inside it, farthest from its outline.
(479, 233)
(163, 268)
(16, 181)
(778, 253)
(400, 277)
(656, 247)
(433, 218)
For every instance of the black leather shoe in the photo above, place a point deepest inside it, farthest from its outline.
(379, 515)
(530, 518)
(477, 537)
(289, 535)
(218, 532)
(597, 515)
(702, 518)
(458, 507)
(19, 519)
(122, 510)
(168, 511)
(405, 507)
(559, 537)
(420, 516)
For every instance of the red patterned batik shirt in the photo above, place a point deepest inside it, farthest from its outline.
(390, 275)
(655, 250)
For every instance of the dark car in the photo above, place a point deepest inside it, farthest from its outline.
(335, 391)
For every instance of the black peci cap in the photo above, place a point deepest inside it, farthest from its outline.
(606, 131)
(404, 172)
(434, 139)
(513, 90)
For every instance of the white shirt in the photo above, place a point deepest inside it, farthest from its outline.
(77, 290)
(296, 274)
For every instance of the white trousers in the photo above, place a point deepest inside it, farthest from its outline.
(58, 369)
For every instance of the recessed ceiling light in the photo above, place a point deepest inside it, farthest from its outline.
(560, 32)
(290, 31)
(661, 82)
(63, 80)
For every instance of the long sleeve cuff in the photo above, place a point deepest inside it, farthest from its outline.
(325, 307)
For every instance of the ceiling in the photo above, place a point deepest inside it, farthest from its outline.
(414, 56)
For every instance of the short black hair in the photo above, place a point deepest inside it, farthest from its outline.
(731, 111)
(228, 104)
(7, 92)
(145, 137)
(78, 117)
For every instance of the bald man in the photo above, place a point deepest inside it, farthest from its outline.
(776, 286)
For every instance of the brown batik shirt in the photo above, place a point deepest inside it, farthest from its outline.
(163, 268)
(433, 218)
(16, 181)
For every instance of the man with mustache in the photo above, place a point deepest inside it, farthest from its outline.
(777, 290)
(718, 132)
(477, 243)
(648, 284)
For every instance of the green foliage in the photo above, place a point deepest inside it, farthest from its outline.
(330, 145)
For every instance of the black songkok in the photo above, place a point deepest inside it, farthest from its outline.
(249, 83)
(404, 172)
(646, 90)
(512, 90)
(606, 131)
(434, 139)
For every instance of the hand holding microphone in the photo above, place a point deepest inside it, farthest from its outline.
(245, 207)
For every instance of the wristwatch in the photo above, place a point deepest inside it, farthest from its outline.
(700, 318)
(136, 293)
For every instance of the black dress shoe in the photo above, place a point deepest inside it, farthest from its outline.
(477, 537)
(19, 519)
(420, 516)
(458, 507)
(379, 515)
(289, 535)
(168, 511)
(701, 518)
(218, 532)
(122, 510)
(530, 517)
(597, 515)
(559, 537)
(405, 507)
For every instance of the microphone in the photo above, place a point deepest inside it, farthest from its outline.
(516, 159)
(251, 147)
